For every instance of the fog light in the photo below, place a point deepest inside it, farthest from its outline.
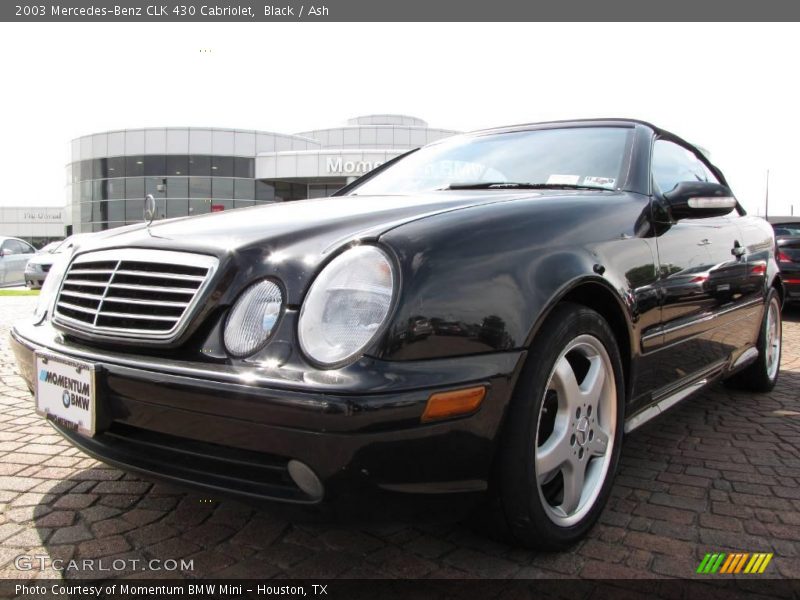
(252, 320)
(445, 405)
(306, 479)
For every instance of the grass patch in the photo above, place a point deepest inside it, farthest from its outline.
(19, 293)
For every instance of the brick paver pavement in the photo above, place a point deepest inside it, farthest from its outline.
(721, 472)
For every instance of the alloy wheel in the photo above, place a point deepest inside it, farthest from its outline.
(576, 430)
(773, 338)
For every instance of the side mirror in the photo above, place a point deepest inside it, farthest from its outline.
(699, 200)
(4, 252)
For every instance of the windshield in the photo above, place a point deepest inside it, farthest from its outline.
(570, 157)
(49, 248)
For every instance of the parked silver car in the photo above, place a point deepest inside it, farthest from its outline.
(14, 255)
(39, 264)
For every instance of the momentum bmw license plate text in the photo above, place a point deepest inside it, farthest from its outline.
(65, 392)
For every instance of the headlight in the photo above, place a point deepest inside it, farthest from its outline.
(253, 318)
(50, 286)
(346, 305)
(32, 267)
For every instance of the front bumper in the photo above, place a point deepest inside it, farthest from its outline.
(236, 435)
(34, 280)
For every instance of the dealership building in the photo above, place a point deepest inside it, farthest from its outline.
(196, 170)
(37, 225)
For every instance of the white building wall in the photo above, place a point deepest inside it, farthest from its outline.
(34, 221)
(377, 136)
(185, 140)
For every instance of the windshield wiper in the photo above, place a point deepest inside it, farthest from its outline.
(499, 185)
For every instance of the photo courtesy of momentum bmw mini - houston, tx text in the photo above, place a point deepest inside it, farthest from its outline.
(376, 347)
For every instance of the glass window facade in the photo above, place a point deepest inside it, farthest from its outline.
(114, 210)
(177, 207)
(110, 191)
(244, 167)
(177, 187)
(155, 165)
(157, 186)
(221, 188)
(134, 166)
(178, 165)
(134, 211)
(196, 170)
(116, 166)
(200, 187)
(199, 165)
(286, 192)
(199, 207)
(244, 189)
(265, 191)
(134, 187)
(222, 166)
(323, 190)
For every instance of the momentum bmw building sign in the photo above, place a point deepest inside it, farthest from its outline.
(196, 170)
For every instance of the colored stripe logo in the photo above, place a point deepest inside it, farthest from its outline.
(737, 562)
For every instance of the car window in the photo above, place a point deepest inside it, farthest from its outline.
(673, 164)
(12, 247)
(787, 229)
(26, 248)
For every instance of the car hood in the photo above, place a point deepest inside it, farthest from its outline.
(42, 259)
(314, 227)
(291, 241)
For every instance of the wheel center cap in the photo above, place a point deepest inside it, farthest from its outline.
(582, 431)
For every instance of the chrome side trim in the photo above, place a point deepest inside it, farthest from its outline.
(640, 418)
(649, 336)
(701, 319)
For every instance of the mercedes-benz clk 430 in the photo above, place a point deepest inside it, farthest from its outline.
(482, 319)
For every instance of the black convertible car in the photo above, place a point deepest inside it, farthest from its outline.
(787, 240)
(484, 318)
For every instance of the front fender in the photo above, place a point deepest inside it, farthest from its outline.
(471, 289)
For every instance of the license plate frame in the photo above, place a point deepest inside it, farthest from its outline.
(71, 375)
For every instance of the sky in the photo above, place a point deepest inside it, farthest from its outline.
(731, 88)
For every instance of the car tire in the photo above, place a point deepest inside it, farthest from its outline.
(762, 374)
(547, 425)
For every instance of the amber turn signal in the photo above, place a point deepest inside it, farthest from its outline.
(445, 405)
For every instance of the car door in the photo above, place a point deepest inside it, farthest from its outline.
(757, 249)
(8, 264)
(701, 273)
(14, 259)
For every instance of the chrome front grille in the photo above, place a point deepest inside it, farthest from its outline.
(132, 293)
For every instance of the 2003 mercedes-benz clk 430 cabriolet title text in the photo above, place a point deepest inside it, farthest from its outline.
(482, 319)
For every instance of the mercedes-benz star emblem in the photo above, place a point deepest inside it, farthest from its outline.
(582, 432)
(149, 209)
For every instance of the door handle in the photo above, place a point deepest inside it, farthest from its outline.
(703, 242)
